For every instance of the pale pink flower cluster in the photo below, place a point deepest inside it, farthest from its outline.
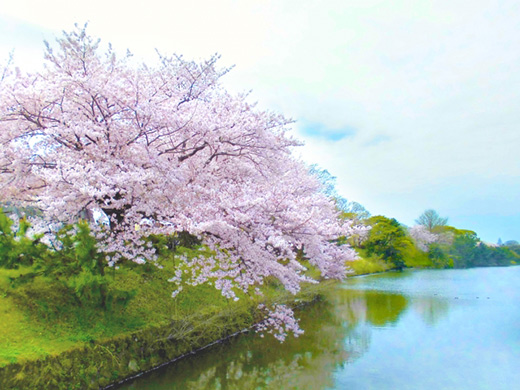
(168, 145)
(423, 237)
(279, 322)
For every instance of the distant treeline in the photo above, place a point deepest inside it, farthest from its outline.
(432, 243)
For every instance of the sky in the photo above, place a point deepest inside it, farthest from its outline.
(411, 105)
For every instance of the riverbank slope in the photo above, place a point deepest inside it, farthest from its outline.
(48, 340)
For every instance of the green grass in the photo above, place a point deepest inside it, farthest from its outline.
(21, 335)
(43, 318)
(368, 265)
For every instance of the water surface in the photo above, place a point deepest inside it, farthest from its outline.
(429, 329)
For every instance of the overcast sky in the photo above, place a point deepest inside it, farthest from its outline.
(410, 104)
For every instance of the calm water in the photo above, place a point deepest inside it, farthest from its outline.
(431, 329)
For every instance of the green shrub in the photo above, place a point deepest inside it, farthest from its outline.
(17, 248)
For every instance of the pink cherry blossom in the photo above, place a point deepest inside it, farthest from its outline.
(170, 145)
(423, 237)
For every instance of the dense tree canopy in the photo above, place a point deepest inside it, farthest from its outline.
(447, 246)
(166, 145)
(387, 238)
(441, 247)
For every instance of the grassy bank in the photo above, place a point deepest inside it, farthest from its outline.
(50, 340)
(369, 265)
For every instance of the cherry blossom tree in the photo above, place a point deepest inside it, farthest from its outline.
(423, 237)
(168, 144)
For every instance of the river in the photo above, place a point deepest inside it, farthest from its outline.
(420, 329)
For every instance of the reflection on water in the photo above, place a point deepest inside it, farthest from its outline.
(337, 331)
(373, 307)
(431, 310)
(251, 362)
(367, 333)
